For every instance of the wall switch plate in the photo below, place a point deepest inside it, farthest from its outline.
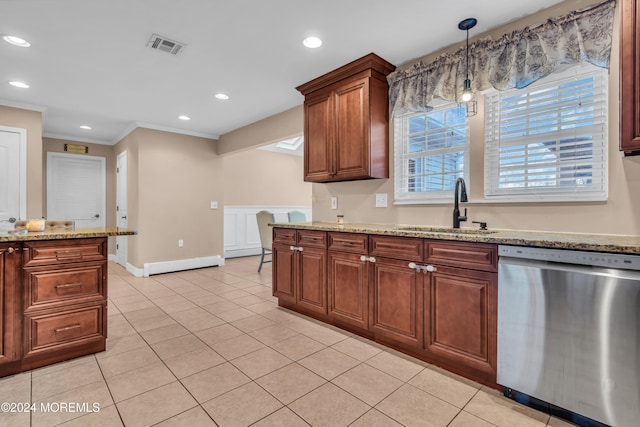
(180, 243)
(334, 203)
(214, 204)
(381, 200)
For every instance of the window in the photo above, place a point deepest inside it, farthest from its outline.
(431, 153)
(548, 142)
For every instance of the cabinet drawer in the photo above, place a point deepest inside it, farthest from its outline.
(59, 327)
(476, 256)
(349, 242)
(50, 287)
(312, 239)
(65, 251)
(405, 248)
(284, 235)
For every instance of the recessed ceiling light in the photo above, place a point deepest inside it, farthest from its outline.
(16, 41)
(85, 127)
(19, 84)
(221, 96)
(183, 117)
(312, 42)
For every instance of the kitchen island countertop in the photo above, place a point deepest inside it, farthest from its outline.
(55, 234)
(612, 243)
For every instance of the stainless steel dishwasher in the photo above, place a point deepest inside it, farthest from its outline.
(569, 330)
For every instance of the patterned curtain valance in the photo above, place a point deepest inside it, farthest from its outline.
(514, 61)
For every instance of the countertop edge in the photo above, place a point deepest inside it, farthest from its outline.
(573, 241)
(81, 233)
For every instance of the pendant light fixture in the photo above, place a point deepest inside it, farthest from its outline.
(468, 97)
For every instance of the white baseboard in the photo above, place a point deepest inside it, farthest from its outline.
(137, 272)
(151, 268)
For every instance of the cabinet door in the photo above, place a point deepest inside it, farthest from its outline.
(396, 296)
(9, 277)
(312, 280)
(460, 317)
(284, 273)
(351, 119)
(348, 283)
(318, 139)
(630, 77)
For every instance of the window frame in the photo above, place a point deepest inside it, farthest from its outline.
(599, 161)
(401, 154)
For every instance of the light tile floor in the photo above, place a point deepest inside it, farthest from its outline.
(210, 347)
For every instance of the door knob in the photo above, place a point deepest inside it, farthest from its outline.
(124, 217)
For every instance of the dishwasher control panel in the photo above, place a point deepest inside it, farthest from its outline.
(597, 259)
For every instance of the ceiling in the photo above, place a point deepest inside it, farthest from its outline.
(89, 63)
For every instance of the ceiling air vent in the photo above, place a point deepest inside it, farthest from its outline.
(166, 45)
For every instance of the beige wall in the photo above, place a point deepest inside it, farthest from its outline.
(287, 124)
(263, 178)
(32, 122)
(620, 214)
(97, 150)
(172, 179)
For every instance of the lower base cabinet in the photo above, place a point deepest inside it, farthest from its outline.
(348, 288)
(435, 300)
(460, 324)
(396, 295)
(299, 269)
(9, 303)
(53, 301)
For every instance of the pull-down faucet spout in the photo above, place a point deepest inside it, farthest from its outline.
(462, 189)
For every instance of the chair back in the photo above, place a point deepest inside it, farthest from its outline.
(264, 218)
(297, 216)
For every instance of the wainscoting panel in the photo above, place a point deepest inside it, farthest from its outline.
(241, 236)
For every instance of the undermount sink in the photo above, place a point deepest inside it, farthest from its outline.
(427, 229)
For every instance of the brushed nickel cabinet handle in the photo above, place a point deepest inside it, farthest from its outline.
(10, 250)
(66, 328)
(68, 285)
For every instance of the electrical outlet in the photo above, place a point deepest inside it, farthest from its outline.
(334, 203)
(180, 243)
(214, 204)
(381, 200)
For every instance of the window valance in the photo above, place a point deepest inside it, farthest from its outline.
(514, 61)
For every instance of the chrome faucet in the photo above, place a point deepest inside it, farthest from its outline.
(462, 189)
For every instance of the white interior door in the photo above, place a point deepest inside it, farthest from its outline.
(13, 167)
(121, 207)
(76, 187)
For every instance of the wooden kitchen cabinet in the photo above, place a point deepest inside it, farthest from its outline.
(299, 269)
(461, 306)
(64, 305)
(434, 299)
(9, 320)
(348, 279)
(396, 299)
(346, 124)
(630, 77)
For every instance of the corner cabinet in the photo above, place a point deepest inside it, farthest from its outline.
(346, 123)
(630, 77)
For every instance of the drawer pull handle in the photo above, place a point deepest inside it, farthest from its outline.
(68, 254)
(68, 285)
(66, 328)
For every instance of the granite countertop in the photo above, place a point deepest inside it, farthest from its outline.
(57, 234)
(577, 241)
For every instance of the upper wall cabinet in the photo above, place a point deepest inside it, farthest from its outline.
(630, 77)
(346, 124)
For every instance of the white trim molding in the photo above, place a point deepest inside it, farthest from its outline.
(151, 268)
(241, 236)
